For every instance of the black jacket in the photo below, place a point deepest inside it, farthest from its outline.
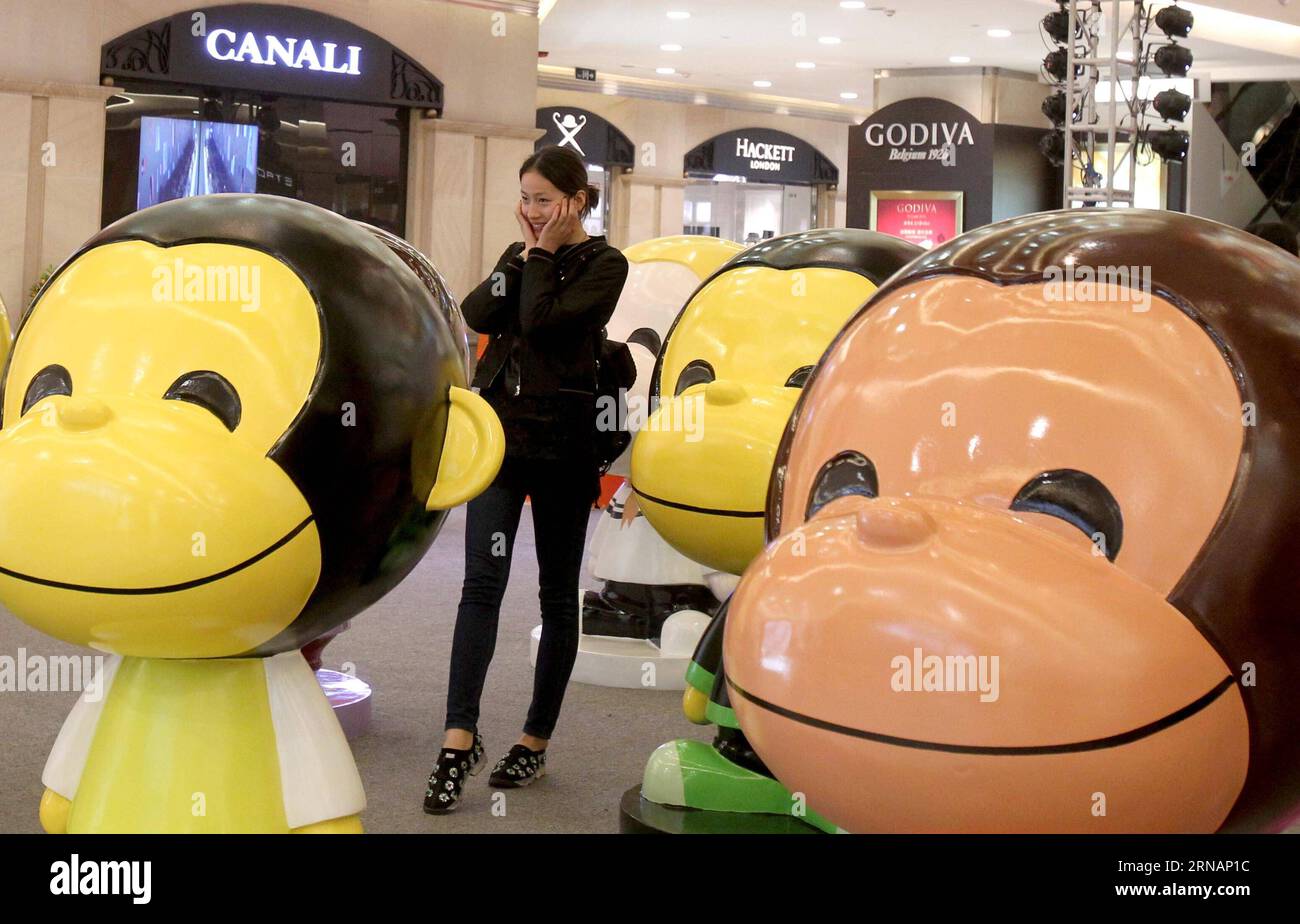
(545, 316)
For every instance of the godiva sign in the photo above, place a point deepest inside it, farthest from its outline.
(926, 155)
(275, 49)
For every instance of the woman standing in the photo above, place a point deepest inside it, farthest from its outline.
(544, 306)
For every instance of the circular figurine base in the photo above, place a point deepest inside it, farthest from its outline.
(641, 816)
(350, 699)
(635, 663)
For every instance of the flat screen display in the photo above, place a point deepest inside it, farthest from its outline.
(187, 157)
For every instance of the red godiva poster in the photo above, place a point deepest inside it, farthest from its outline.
(926, 219)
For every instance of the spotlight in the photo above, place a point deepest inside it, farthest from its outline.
(1057, 25)
(1052, 146)
(1171, 105)
(1174, 21)
(1056, 62)
(1173, 60)
(1170, 144)
(1054, 108)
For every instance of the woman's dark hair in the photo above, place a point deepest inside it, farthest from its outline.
(564, 170)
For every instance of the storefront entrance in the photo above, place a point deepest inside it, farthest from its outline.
(747, 212)
(753, 184)
(605, 150)
(260, 98)
(346, 157)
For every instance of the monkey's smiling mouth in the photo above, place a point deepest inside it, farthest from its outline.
(167, 588)
(1095, 744)
(715, 511)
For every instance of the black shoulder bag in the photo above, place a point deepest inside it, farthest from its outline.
(615, 376)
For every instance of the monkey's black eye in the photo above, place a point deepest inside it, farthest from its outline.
(697, 372)
(210, 391)
(847, 473)
(799, 377)
(1080, 500)
(648, 337)
(52, 380)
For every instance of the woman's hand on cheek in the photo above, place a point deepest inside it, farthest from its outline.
(530, 237)
(558, 229)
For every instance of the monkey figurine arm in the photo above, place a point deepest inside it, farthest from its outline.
(54, 812)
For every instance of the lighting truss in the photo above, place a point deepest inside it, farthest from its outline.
(1098, 31)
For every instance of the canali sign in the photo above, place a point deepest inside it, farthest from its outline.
(270, 48)
(226, 45)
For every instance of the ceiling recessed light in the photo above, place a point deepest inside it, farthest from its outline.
(670, 47)
(852, 4)
(958, 59)
(762, 83)
(665, 70)
(829, 39)
(848, 95)
(999, 33)
(805, 65)
(678, 14)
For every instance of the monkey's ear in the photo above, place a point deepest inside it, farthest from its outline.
(472, 451)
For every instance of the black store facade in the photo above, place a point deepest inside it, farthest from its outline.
(926, 169)
(754, 183)
(261, 98)
(605, 150)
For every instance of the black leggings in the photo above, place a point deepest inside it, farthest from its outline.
(561, 495)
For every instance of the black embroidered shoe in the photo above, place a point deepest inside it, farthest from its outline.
(454, 766)
(518, 768)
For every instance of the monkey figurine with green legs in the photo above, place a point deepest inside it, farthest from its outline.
(735, 361)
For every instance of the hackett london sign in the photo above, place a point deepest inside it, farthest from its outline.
(762, 155)
(277, 49)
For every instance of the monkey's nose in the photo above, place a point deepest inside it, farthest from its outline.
(724, 392)
(83, 413)
(888, 527)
